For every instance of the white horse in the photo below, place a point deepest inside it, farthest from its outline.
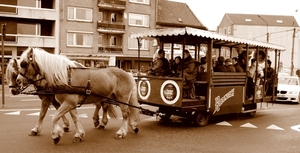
(48, 99)
(108, 83)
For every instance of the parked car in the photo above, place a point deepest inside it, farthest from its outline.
(288, 89)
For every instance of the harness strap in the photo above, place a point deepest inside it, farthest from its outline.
(69, 76)
(88, 91)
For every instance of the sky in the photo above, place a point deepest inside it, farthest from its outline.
(211, 12)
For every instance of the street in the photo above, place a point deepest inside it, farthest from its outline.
(270, 130)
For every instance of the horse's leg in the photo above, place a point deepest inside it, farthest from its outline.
(57, 132)
(79, 128)
(96, 114)
(122, 132)
(104, 120)
(66, 125)
(44, 107)
(134, 113)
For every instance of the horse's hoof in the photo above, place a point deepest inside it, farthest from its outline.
(96, 124)
(136, 130)
(101, 127)
(66, 129)
(77, 139)
(56, 140)
(119, 136)
(33, 133)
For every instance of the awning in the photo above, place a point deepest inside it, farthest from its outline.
(233, 41)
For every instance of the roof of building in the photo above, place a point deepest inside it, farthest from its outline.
(177, 14)
(257, 19)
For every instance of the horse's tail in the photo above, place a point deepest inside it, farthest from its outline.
(111, 111)
(134, 112)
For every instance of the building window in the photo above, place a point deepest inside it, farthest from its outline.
(220, 30)
(132, 44)
(100, 40)
(79, 39)
(138, 20)
(113, 17)
(229, 30)
(140, 1)
(100, 16)
(113, 41)
(29, 29)
(225, 30)
(80, 14)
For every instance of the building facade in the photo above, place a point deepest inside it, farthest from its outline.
(94, 32)
(30, 23)
(275, 29)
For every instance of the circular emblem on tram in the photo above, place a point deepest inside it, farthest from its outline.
(144, 88)
(170, 92)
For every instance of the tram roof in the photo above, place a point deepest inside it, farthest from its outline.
(224, 40)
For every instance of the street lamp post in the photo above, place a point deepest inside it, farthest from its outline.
(268, 34)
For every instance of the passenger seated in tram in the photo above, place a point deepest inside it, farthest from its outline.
(189, 69)
(203, 64)
(229, 65)
(236, 65)
(160, 66)
(176, 66)
(220, 67)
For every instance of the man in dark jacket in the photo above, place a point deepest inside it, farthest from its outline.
(162, 67)
(236, 64)
(189, 69)
(270, 77)
(220, 67)
(229, 66)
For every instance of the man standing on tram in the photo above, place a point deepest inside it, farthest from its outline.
(189, 74)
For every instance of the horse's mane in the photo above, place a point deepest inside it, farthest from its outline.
(53, 67)
(9, 68)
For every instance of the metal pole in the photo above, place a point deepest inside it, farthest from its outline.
(293, 49)
(2, 63)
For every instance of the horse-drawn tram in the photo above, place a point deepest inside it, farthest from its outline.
(216, 93)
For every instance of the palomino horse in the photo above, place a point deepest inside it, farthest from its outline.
(100, 84)
(48, 99)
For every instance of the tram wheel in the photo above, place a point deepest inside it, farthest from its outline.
(201, 119)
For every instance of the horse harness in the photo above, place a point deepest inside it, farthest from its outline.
(69, 89)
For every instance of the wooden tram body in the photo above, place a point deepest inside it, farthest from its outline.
(217, 93)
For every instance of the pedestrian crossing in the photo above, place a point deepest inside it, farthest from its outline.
(145, 119)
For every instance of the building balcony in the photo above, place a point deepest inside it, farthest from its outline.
(112, 4)
(29, 40)
(27, 12)
(110, 49)
(111, 27)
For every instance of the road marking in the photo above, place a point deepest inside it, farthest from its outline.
(13, 113)
(83, 115)
(30, 99)
(296, 127)
(248, 125)
(34, 114)
(224, 123)
(274, 127)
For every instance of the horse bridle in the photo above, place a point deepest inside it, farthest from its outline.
(30, 81)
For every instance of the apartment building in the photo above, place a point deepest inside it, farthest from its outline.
(275, 29)
(94, 32)
(29, 23)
